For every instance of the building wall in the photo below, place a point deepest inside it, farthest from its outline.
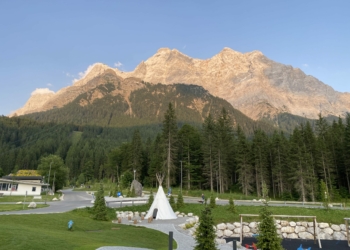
(22, 188)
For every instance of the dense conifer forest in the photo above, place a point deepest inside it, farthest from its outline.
(218, 153)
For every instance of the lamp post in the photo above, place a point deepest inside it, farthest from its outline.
(134, 173)
(181, 178)
(48, 181)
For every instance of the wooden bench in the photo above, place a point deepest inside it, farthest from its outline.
(37, 197)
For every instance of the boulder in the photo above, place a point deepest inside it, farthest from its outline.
(324, 236)
(230, 226)
(292, 224)
(228, 233)
(342, 227)
(292, 236)
(284, 223)
(221, 226)
(287, 229)
(310, 230)
(323, 225)
(310, 224)
(32, 204)
(284, 235)
(299, 229)
(327, 230)
(237, 224)
(338, 236)
(335, 228)
(298, 223)
(246, 229)
(219, 233)
(305, 236)
(304, 224)
(190, 214)
(183, 226)
(137, 186)
(252, 225)
(237, 230)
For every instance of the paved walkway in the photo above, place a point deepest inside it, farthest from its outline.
(184, 241)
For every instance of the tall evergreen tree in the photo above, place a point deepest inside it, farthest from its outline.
(170, 139)
(260, 160)
(243, 161)
(208, 148)
(136, 153)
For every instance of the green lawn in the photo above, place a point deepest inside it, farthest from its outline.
(221, 213)
(17, 207)
(14, 198)
(49, 231)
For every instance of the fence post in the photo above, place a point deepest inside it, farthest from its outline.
(234, 244)
(170, 240)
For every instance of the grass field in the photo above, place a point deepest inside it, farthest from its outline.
(49, 231)
(14, 198)
(221, 213)
(17, 207)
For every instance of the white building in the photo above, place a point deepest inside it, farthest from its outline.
(21, 185)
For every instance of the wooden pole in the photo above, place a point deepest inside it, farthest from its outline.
(347, 231)
(241, 230)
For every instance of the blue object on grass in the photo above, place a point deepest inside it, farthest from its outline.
(119, 194)
(70, 224)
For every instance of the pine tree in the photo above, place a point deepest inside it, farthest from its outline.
(100, 208)
(180, 201)
(268, 238)
(172, 202)
(169, 135)
(243, 161)
(212, 203)
(208, 148)
(150, 199)
(205, 235)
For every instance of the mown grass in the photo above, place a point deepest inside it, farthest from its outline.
(14, 198)
(17, 207)
(221, 213)
(49, 231)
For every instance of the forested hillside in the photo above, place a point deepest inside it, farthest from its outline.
(145, 106)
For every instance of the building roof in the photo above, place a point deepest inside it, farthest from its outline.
(22, 182)
(22, 178)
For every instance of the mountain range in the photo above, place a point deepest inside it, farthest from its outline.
(253, 84)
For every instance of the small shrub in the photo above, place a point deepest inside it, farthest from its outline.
(172, 202)
(180, 201)
(212, 203)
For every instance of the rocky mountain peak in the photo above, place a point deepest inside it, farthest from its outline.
(92, 71)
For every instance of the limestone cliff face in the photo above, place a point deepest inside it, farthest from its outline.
(35, 102)
(252, 83)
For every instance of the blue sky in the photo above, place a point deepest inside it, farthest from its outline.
(45, 44)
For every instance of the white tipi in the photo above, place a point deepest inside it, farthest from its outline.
(165, 212)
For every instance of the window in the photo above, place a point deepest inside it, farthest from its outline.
(3, 186)
(33, 189)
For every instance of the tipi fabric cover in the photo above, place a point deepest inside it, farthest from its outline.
(165, 212)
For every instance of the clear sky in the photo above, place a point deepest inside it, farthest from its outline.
(46, 44)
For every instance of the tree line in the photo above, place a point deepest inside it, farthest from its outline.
(218, 156)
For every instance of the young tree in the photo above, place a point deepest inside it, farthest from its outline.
(180, 201)
(205, 235)
(100, 208)
(150, 199)
(268, 238)
(212, 203)
(169, 135)
(231, 206)
(172, 202)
